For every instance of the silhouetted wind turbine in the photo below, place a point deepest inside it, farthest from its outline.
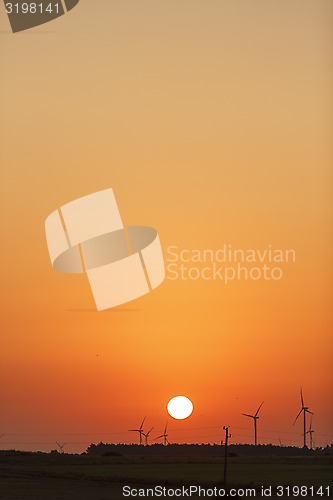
(61, 446)
(164, 435)
(255, 418)
(305, 410)
(140, 430)
(147, 435)
(310, 431)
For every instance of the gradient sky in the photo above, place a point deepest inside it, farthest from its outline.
(212, 122)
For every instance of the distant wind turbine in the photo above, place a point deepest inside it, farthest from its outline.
(147, 435)
(280, 442)
(310, 432)
(164, 435)
(140, 430)
(255, 418)
(61, 446)
(305, 410)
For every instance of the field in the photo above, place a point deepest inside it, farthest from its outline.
(55, 477)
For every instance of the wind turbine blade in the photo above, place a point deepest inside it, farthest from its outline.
(258, 409)
(150, 431)
(143, 421)
(308, 411)
(298, 416)
(311, 424)
(159, 437)
(247, 415)
(302, 400)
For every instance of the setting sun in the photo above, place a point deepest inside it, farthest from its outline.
(180, 407)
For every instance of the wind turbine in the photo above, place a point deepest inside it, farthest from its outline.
(147, 435)
(140, 430)
(61, 446)
(310, 431)
(164, 435)
(255, 418)
(280, 442)
(305, 410)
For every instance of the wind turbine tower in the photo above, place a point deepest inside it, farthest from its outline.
(305, 410)
(140, 430)
(310, 432)
(164, 435)
(147, 435)
(255, 418)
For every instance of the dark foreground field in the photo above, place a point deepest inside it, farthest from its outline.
(57, 477)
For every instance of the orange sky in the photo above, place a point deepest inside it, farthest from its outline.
(212, 122)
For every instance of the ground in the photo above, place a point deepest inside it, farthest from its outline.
(62, 477)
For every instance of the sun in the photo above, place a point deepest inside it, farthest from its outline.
(180, 407)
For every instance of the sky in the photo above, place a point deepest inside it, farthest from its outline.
(212, 122)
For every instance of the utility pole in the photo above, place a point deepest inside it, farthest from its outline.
(227, 436)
